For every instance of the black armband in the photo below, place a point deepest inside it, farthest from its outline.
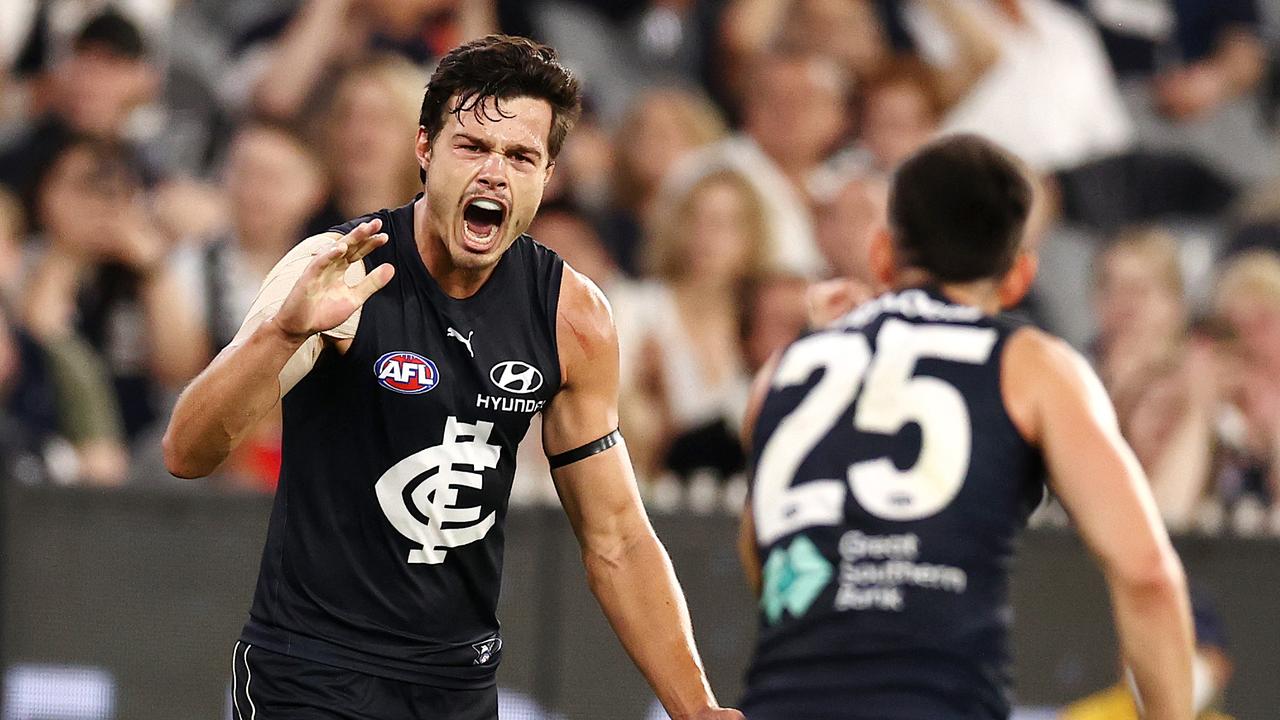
(594, 447)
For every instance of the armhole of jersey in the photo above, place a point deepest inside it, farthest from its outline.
(1007, 331)
(555, 286)
(1033, 493)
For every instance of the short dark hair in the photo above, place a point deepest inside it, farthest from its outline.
(113, 32)
(958, 208)
(500, 67)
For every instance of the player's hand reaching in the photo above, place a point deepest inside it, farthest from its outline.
(321, 299)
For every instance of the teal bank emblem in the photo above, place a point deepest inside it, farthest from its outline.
(793, 579)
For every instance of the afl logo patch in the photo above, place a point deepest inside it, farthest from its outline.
(517, 377)
(406, 372)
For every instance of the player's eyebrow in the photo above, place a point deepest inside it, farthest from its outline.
(529, 150)
(481, 142)
(517, 147)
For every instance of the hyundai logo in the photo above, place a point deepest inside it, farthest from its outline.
(515, 376)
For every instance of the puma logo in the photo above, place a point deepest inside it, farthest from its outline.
(464, 340)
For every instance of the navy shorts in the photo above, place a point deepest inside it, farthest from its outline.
(271, 686)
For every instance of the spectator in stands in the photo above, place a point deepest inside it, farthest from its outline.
(856, 33)
(1255, 222)
(620, 47)
(793, 120)
(1164, 385)
(902, 109)
(1192, 72)
(1197, 54)
(275, 184)
(584, 168)
(1140, 305)
(372, 114)
(58, 417)
(1247, 298)
(103, 276)
(846, 223)
(852, 33)
(662, 126)
(286, 61)
(94, 92)
(1051, 98)
(774, 313)
(692, 377)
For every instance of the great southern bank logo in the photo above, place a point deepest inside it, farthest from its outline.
(406, 372)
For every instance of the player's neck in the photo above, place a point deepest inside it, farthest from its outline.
(982, 294)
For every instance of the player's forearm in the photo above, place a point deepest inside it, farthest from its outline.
(225, 401)
(639, 593)
(1153, 618)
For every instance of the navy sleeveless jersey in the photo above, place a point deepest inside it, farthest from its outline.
(384, 548)
(888, 486)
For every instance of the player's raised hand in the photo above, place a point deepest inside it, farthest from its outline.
(321, 299)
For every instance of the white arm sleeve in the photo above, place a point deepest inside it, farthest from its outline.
(276, 287)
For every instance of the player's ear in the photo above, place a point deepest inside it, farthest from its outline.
(1017, 282)
(551, 166)
(422, 147)
(883, 257)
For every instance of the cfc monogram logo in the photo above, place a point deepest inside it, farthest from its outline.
(435, 497)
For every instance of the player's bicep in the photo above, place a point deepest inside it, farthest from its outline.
(586, 406)
(592, 470)
(591, 466)
(1092, 470)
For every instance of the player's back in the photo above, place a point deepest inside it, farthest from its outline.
(889, 484)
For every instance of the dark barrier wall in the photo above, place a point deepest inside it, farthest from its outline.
(153, 587)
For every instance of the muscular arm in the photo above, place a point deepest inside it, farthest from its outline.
(1058, 404)
(627, 567)
(317, 288)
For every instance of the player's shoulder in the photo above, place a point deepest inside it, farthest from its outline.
(585, 332)
(295, 260)
(1040, 353)
(1042, 372)
(584, 307)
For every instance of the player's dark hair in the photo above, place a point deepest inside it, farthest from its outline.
(113, 32)
(500, 67)
(958, 209)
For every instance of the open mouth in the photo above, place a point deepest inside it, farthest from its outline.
(482, 219)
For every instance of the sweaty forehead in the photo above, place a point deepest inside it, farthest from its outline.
(521, 119)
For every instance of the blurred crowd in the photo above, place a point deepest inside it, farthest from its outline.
(158, 156)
